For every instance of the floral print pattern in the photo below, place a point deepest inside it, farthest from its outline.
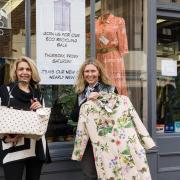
(118, 138)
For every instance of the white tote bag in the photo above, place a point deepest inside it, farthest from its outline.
(28, 123)
(31, 124)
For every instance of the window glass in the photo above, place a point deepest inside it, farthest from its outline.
(121, 46)
(168, 75)
(126, 49)
(12, 35)
(61, 98)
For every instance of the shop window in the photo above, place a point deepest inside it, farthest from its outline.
(168, 75)
(129, 48)
(130, 59)
(61, 98)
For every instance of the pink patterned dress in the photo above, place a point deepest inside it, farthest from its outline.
(111, 37)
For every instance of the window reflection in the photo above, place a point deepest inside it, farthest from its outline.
(12, 35)
(168, 75)
(61, 98)
(121, 47)
(133, 62)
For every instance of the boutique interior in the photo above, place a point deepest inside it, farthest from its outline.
(168, 75)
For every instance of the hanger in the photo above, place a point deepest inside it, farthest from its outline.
(104, 16)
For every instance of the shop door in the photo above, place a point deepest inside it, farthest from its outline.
(168, 97)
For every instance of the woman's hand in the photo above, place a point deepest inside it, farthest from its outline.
(93, 96)
(35, 104)
(12, 139)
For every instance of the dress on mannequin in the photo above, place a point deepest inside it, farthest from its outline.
(111, 46)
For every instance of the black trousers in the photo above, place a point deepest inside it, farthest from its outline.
(88, 164)
(14, 170)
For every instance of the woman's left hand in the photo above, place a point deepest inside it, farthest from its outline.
(93, 96)
(14, 140)
(35, 104)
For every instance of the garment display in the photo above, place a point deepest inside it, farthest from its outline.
(62, 15)
(168, 100)
(118, 137)
(165, 99)
(111, 46)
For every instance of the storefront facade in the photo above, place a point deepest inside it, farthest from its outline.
(149, 70)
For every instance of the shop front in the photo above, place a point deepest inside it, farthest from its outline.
(60, 34)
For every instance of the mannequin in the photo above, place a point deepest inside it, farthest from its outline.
(111, 46)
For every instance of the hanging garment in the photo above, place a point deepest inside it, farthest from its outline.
(111, 46)
(62, 15)
(118, 138)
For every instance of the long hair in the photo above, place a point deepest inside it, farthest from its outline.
(35, 79)
(81, 83)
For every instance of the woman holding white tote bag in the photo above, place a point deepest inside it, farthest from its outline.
(17, 152)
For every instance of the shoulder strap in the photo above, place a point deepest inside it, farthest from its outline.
(8, 88)
(9, 92)
(43, 102)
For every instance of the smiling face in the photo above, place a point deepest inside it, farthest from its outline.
(23, 72)
(91, 74)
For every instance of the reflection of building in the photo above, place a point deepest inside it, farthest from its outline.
(5, 35)
(62, 15)
(3, 19)
(5, 42)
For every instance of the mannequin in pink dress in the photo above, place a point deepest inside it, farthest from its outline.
(111, 46)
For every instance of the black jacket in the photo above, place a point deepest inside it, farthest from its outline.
(22, 100)
(81, 98)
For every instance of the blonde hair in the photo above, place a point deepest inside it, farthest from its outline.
(81, 83)
(35, 79)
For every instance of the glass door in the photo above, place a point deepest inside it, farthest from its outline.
(168, 75)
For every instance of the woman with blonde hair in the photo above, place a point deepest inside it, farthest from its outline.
(90, 82)
(81, 82)
(35, 79)
(17, 152)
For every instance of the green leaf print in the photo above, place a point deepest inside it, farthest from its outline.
(132, 139)
(104, 147)
(104, 131)
(129, 125)
(126, 151)
(77, 152)
(116, 171)
(126, 157)
(125, 121)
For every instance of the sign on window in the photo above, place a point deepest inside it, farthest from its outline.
(60, 39)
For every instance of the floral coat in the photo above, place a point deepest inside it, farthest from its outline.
(118, 138)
